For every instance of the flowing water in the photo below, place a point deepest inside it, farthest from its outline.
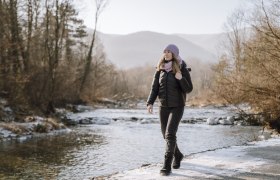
(121, 143)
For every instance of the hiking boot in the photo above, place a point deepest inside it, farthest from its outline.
(177, 160)
(166, 169)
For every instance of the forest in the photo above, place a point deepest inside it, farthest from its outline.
(47, 57)
(48, 60)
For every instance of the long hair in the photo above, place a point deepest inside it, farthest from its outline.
(175, 64)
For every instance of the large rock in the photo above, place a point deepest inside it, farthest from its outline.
(227, 121)
(212, 121)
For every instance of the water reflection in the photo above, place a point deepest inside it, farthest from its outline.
(44, 157)
(94, 150)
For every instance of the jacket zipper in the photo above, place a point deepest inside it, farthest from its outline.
(166, 90)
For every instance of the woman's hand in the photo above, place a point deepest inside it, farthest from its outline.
(150, 109)
(178, 75)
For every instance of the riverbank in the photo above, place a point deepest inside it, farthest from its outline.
(130, 139)
(13, 126)
(20, 122)
(255, 160)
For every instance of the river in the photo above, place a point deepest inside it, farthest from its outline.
(128, 139)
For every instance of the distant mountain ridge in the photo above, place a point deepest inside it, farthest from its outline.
(212, 42)
(146, 48)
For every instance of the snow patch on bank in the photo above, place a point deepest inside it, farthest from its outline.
(217, 164)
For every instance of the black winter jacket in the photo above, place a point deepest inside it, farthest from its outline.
(170, 91)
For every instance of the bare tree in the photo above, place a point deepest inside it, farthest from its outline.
(252, 75)
(44, 59)
(100, 5)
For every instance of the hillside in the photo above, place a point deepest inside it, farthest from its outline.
(211, 42)
(145, 48)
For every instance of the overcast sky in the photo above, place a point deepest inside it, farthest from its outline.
(164, 16)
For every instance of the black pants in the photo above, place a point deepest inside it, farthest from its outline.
(170, 118)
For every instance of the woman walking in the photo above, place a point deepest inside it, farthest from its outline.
(171, 83)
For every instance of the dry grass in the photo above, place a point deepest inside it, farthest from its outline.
(205, 99)
(48, 125)
(15, 128)
(54, 123)
(44, 126)
(29, 119)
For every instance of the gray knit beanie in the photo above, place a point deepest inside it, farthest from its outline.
(174, 49)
